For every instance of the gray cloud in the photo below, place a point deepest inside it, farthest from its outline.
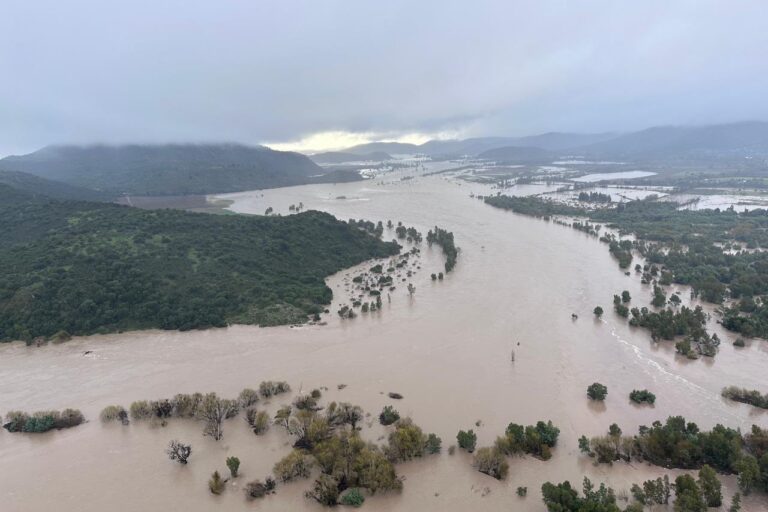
(250, 71)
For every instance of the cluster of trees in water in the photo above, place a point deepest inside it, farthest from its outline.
(690, 495)
(594, 197)
(88, 268)
(717, 253)
(681, 444)
(746, 396)
(444, 239)
(42, 421)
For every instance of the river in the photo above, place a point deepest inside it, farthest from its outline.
(446, 349)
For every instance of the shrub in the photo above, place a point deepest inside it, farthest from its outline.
(255, 489)
(114, 413)
(216, 484)
(642, 396)
(42, 421)
(522, 491)
(467, 440)
(388, 415)
(433, 444)
(247, 397)
(491, 462)
(233, 463)
(68, 418)
(353, 498)
(141, 410)
(325, 491)
(185, 406)
(258, 421)
(269, 388)
(598, 311)
(294, 465)
(406, 442)
(179, 451)
(597, 391)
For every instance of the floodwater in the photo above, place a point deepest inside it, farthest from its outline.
(446, 349)
(603, 176)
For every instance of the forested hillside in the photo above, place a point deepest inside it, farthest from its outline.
(85, 267)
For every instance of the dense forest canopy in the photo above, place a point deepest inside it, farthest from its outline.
(85, 267)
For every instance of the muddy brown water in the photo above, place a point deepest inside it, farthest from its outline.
(446, 349)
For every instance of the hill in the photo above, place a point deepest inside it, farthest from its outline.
(383, 147)
(337, 157)
(174, 169)
(517, 155)
(86, 267)
(738, 139)
(55, 189)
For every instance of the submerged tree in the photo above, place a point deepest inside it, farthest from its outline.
(213, 410)
(178, 451)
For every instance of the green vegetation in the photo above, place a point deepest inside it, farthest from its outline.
(353, 498)
(42, 421)
(746, 396)
(594, 197)
(681, 444)
(233, 463)
(467, 440)
(598, 311)
(114, 413)
(491, 461)
(642, 396)
(93, 267)
(444, 239)
(388, 415)
(537, 440)
(597, 391)
(216, 484)
(564, 498)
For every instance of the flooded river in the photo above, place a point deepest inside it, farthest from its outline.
(446, 349)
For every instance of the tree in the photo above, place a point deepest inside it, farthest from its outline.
(749, 473)
(212, 411)
(233, 463)
(467, 440)
(597, 391)
(433, 444)
(598, 311)
(625, 297)
(688, 496)
(710, 486)
(491, 462)
(584, 445)
(258, 421)
(406, 442)
(179, 451)
(216, 484)
(735, 503)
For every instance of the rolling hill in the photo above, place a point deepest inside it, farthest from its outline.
(337, 157)
(174, 169)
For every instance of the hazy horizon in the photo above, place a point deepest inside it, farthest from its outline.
(313, 76)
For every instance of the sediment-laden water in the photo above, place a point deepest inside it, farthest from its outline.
(446, 349)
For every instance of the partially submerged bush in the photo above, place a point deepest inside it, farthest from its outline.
(325, 491)
(353, 498)
(141, 410)
(491, 461)
(388, 415)
(114, 413)
(597, 391)
(216, 484)
(467, 440)
(179, 451)
(406, 442)
(247, 398)
(42, 421)
(642, 396)
(269, 388)
(258, 421)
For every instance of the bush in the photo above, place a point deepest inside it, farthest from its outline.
(141, 410)
(406, 442)
(388, 415)
(467, 440)
(598, 311)
(522, 491)
(269, 388)
(597, 391)
(491, 462)
(42, 421)
(433, 444)
(258, 421)
(247, 398)
(294, 465)
(179, 451)
(325, 491)
(114, 413)
(216, 484)
(185, 406)
(642, 396)
(233, 463)
(254, 490)
(353, 498)
(68, 418)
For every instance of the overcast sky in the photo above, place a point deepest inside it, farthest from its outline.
(323, 74)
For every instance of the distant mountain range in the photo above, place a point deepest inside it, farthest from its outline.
(337, 157)
(170, 169)
(733, 139)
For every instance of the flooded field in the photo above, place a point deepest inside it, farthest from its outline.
(446, 349)
(603, 176)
